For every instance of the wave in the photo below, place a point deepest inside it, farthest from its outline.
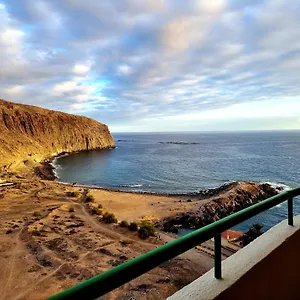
(180, 143)
(279, 187)
(131, 185)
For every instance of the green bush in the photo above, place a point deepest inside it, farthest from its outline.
(95, 211)
(124, 223)
(73, 194)
(143, 233)
(100, 205)
(89, 198)
(36, 232)
(148, 226)
(36, 214)
(71, 209)
(133, 226)
(109, 218)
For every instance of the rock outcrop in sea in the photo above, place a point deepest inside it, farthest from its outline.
(29, 134)
(225, 200)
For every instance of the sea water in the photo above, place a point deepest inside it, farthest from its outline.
(188, 162)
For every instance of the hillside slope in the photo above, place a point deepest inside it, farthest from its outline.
(30, 134)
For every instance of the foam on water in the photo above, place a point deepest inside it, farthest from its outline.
(280, 187)
(131, 185)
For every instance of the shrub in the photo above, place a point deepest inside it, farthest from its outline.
(124, 223)
(109, 218)
(100, 205)
(133, 226)
(148, 226)
(143, 233)
(36, 214)
(95, 210)
(71, 209)
(72, 216)
(36, 232)
(73, 194)
(89, 198)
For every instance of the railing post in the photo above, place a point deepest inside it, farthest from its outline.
(290, 212)
(218, 257)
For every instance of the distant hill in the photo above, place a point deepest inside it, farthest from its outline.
(30, 134)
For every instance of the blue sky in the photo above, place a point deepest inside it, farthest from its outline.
(156, 65)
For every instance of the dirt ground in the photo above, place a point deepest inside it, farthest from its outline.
(50, 241)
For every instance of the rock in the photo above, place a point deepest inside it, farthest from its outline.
(35, 268)
(105, 251)
(227, 200)
(170, 227)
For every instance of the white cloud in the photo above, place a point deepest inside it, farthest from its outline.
(81, 69)
(124, 70)
(12, 92)
(66, 86)
(209, 6)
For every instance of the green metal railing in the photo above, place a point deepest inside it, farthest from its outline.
(114, 278)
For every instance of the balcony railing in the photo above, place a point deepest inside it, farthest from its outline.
(103, 283)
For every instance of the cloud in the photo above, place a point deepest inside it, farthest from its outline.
(81, 69)
(127, 62)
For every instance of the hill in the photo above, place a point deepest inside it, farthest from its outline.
(30, 134)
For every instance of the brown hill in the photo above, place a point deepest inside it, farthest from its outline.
(29, 134)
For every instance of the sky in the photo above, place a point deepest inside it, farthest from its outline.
(156, 65)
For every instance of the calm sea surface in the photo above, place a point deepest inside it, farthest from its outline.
(189, 162)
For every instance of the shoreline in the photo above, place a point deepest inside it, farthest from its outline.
(201, 194)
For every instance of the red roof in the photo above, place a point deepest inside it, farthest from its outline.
(231, 234)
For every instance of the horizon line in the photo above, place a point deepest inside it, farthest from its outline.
(208, 131)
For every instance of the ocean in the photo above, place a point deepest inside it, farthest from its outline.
(191, 161)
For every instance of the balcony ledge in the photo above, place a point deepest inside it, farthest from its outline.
(267, 268)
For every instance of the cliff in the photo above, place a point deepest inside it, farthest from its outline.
(224, 201)
(29, 134)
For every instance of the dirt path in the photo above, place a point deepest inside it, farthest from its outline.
(12, 263)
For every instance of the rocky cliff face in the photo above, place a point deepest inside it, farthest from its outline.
(225, 201)
(31, 134)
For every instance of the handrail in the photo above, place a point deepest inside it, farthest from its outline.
(103, 283)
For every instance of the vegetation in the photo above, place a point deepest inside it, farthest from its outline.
(253, 233)
(100, 205)
(36, 214)
(143, 233)
(124, 223)
(72, 216)
(95, 210)
(133, 226)
(71, 209)
(109, 218)
(36, 232)
(147, 225)
(73, 194)
(89, 198)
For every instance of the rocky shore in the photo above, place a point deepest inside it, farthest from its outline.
(224, 201)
